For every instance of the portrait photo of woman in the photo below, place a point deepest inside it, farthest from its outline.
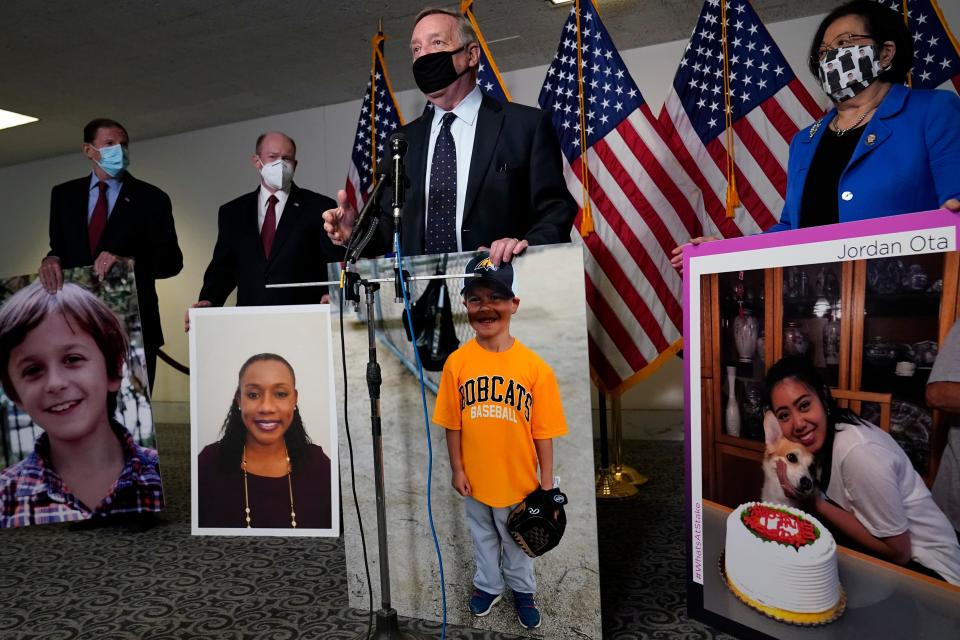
(264, 441)
(264, 471)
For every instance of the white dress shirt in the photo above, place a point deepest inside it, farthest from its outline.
(464, 130)
(262, 207)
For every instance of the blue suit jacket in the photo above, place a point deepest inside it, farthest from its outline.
(908, 159)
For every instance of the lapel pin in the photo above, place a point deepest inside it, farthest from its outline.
(296, 204)
(813, 129)
(871, 138)
(126, 199)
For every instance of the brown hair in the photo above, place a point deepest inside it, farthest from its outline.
(91, 128)
(27, 308)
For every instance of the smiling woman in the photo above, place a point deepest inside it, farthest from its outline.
(869, 495)
(264, 472)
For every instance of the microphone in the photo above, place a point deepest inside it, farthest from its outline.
(398, 149)
(367, 221)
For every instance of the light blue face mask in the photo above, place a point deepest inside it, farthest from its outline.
(114, 159)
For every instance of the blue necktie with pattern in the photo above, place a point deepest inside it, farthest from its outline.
(442, 202)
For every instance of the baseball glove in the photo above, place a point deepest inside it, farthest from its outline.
(537, 523)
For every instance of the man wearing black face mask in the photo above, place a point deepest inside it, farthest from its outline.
(481, 173)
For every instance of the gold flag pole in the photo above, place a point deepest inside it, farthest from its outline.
(609, 484)
(621, 471)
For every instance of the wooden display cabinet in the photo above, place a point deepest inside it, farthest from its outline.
(857, 319)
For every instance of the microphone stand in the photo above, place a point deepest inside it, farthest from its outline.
(387, 626)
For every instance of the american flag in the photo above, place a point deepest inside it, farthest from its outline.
(488, 76)
(767, 106)
(936, 53)
(379, 117)
(640, 207)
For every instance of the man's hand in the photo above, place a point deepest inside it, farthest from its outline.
(461, 484)
(953, 204)
(504, 249)
(325, 298)
(103, 264)
(676, 259)
(338, 223)
(51, 275)
(199, 304)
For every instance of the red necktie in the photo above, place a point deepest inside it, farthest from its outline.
(98, 220)
(269, 228)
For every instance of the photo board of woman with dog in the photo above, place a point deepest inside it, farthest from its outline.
(817, 427)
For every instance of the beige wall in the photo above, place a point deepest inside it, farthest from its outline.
(202, 169)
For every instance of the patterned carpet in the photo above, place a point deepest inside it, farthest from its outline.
(153, 580)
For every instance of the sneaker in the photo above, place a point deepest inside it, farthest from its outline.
(527, 612)
(481, 602)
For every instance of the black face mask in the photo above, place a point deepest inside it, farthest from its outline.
(435, 71)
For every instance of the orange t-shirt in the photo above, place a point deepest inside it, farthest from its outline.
(501, 402)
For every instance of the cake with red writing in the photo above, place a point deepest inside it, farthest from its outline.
(783, 562)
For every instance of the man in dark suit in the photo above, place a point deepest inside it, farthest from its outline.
(112, 216)
(271, 235)
(481, 173)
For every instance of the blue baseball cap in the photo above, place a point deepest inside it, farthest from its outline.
(499, 279)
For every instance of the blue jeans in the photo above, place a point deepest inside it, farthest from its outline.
(499, 559)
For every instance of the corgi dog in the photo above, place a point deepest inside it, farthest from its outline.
(800, 465)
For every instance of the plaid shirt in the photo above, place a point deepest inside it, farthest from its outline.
(31, 491)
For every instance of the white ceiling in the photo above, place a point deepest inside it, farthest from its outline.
(166, 66)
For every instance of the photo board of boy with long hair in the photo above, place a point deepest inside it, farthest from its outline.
(77, 439)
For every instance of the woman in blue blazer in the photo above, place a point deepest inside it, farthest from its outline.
(883, 149)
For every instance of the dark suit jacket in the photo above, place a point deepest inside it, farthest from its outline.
(139, 227)
(515, 188)
(300, 252)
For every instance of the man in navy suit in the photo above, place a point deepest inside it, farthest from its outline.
(481, 173)
(112, 216)
(272, 235)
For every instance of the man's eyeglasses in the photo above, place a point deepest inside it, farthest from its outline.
(841, 41)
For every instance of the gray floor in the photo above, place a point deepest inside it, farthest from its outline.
(152, 581)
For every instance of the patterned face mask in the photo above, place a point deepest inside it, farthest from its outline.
(847, 71)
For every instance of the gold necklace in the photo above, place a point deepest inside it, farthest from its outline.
(246, 493)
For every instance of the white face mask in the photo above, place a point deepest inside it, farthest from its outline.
(277, 175)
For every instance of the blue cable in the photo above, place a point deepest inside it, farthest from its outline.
(426, 425)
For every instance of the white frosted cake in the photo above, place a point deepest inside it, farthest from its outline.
(783, 560)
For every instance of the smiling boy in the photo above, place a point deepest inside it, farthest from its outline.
(500, 405)
(62, 358)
